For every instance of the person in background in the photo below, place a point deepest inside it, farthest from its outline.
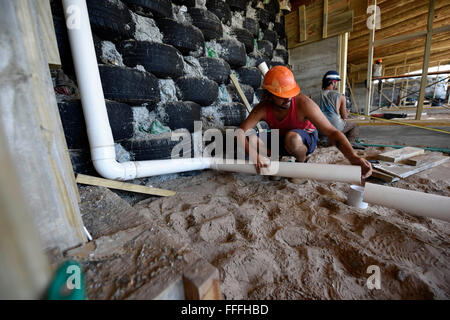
(333, 105)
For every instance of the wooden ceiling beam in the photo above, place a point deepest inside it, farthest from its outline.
(403, 25)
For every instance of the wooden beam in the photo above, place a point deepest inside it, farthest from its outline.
(426, 58)
(410, 36)
(343, 40)
(422, 123)
(95, 181)
(325, 18)
(411, 75)
(370, 62)
(302, 23)
(242, 95)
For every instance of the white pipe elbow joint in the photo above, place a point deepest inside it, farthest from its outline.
(113, 170)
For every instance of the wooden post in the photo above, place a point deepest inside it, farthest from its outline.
(435, 79)
(370, 63)
(381, 90)
(343, 45)
(406, 86)
(325, 19)
(31, 124)
(426, 59)
(48, 33)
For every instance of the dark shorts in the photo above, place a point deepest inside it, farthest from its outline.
(309, 140)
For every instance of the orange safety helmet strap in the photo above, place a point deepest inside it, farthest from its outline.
(280, 81)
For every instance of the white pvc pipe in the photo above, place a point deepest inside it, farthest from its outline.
(413, 202)
(100, 135)
(316, 171)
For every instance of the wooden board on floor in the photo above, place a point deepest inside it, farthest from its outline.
(95, 181)
(202, 282)
(400, 154)
(384, 176)
(404, 171)
(420, 159)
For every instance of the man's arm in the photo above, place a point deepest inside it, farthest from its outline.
(342, 107)
(313, 113)
(257, 114)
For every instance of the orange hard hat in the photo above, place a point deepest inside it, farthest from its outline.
(280, 81)
(380, 60)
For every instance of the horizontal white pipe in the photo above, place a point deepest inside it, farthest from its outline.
(412, 202)
(316, 171)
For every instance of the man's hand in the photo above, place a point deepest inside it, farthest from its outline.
(261, 162)
(366, 167)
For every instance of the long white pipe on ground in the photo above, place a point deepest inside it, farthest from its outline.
(413, 202)
(100, 135)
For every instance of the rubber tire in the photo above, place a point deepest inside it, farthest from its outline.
(237, 5)
(109, 21)
(271, 36)
(184, 37)
(272, 6)
(158, 147)
(265, 47)
(180, 114)
(252, 26)
(283, 54)
(120, 118)
(160, 59)
(82, 162)
(258, 93)
(248, 92)
(279, 29)
(250, 76)
(207, 22)
(246, 37)
(186, 3)
(221, 9)
(264, 18)
(233, 114)
(160, 8)
(62, 39)
(234, 54)
(130, 86)
(282, 42)
(276, 63)
(259, 59)
(215, 69)
(199, 90)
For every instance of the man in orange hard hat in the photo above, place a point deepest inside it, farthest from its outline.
(296, 116)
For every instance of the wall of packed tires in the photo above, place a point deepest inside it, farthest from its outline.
(165, 64)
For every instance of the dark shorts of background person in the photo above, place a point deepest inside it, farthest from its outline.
(309, 140)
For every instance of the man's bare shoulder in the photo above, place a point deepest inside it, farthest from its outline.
(304, 101)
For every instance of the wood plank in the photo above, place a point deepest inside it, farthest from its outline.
(291, 25)
(340, 23)
(384, 176)
(426, 59)
(95, 181)
(400, 154)
(243, 97)
(404, 171)
(302, 23)
(202, 282)
(48, 33)
(421, 159)
(325, 19)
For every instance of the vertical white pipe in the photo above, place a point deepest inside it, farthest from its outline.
(413, 202)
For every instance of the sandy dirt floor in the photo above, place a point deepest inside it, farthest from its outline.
(280, 240)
